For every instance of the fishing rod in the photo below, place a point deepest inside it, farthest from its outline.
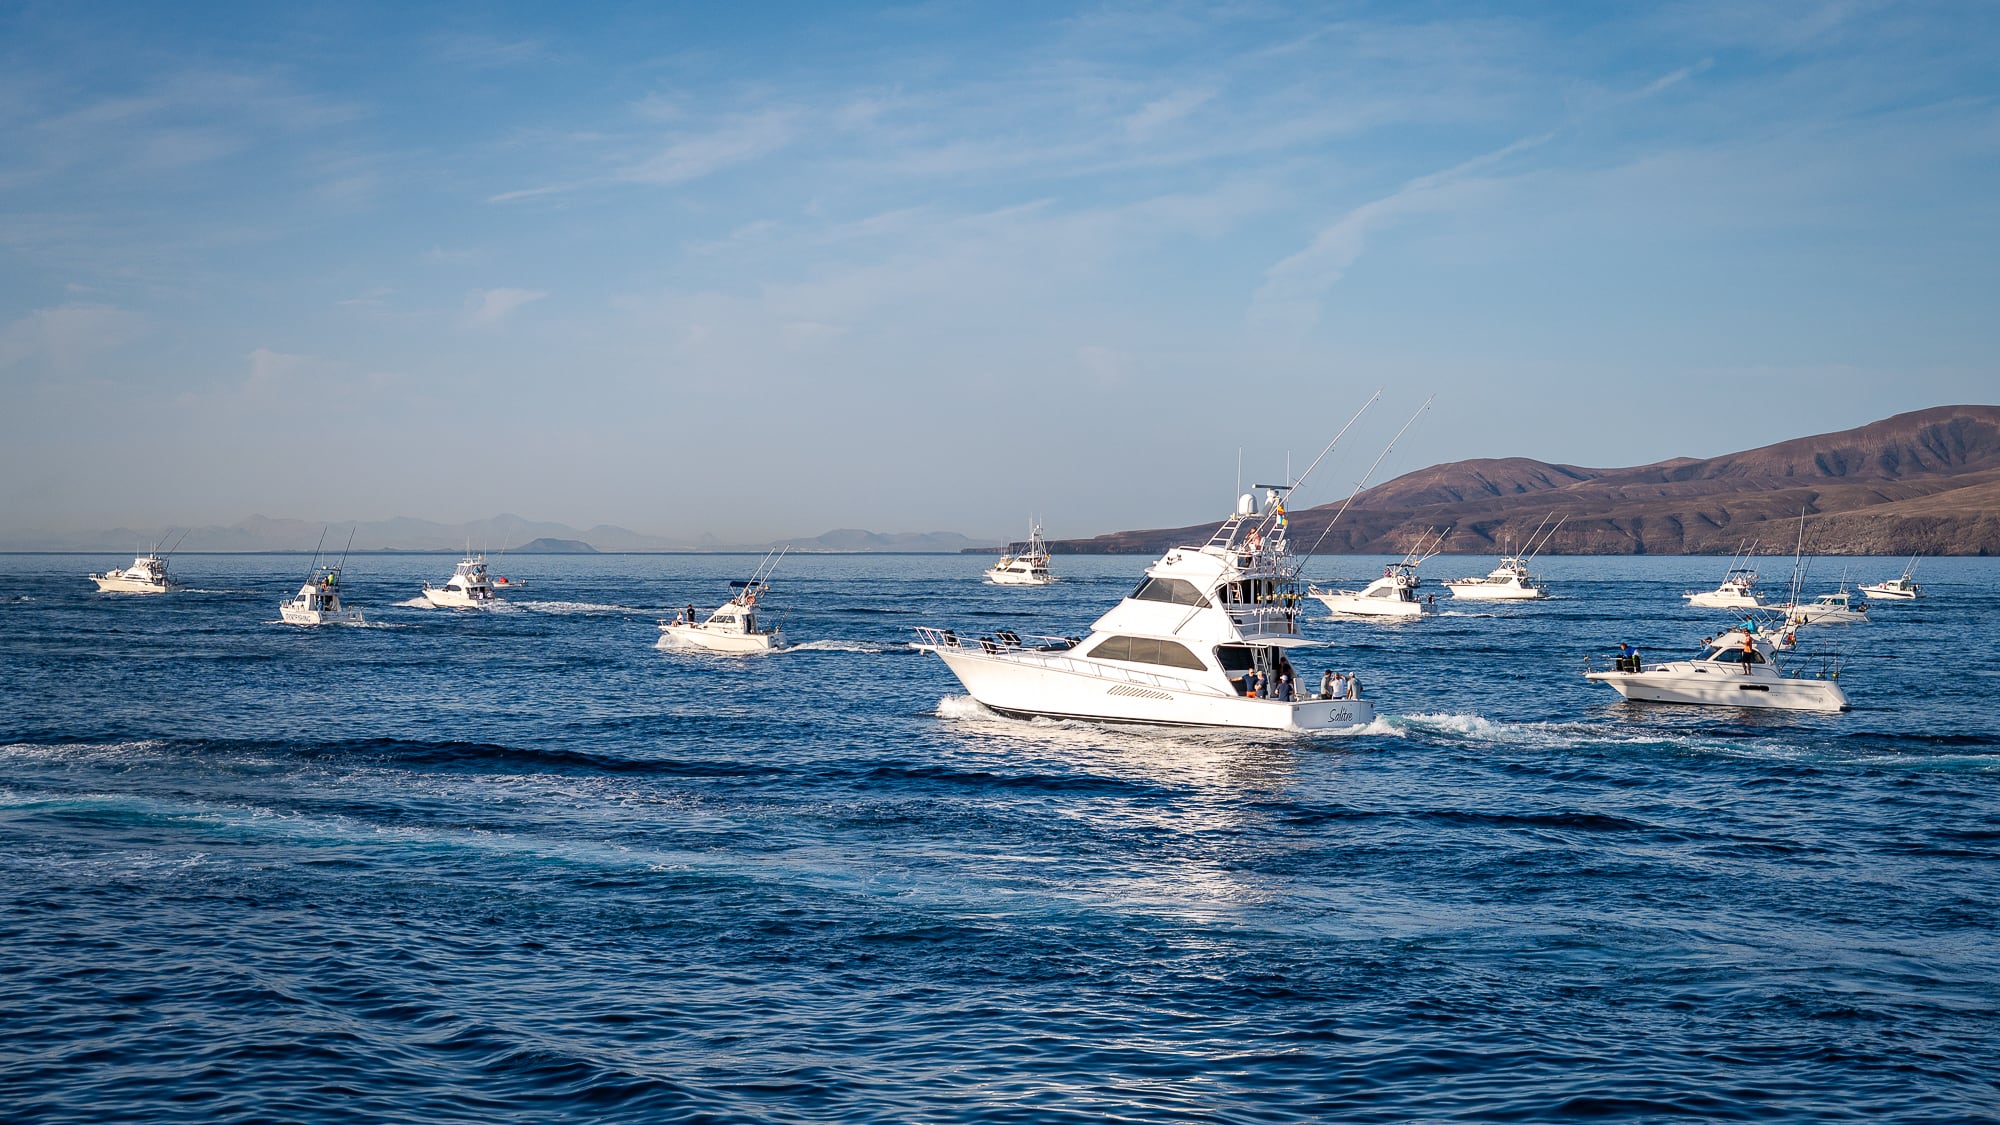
(314, 564)
(1295, 485)
(1363, 482)
(343, 551)
(1545, 539)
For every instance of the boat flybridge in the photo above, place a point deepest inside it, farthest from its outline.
(1024, 564)
(1510, 581)
(1392, 595)
(1737, 669)
(467, 588)
(1896, 589)
(733, 627)
(1183, 649)
(146, 575)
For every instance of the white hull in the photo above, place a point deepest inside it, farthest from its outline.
(1066, 688)
(1717, 599)
(719, 640)
(456, 599)
(1808, 615)
(1358, 605)
(1680, 683)
(1017, 578)
(119, 584)
(1495, 592)
(293, 615)
(1888, 592)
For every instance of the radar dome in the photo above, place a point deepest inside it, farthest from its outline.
(1246, 505)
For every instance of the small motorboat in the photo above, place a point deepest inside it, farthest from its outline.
(502, 582)
(1896, 589)
(146, 575)
(467, 588)
(734, 626)
(1024, 564)
(1740, 668)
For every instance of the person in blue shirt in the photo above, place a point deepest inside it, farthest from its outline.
(1283, 693)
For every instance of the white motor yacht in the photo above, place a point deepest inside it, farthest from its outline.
(467, 588)
(734, 626)
(1182, 649)
(1392, 595)
(1024, 564)
(1827, 609)
(1896, 589)
(1737, 669)
(1510, 581)
(318, 601)
(1738, 591)
(146, 575)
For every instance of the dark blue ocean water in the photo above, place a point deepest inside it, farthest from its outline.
(522, 865)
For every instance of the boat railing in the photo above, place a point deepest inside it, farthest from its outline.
(1258, 621)
(1052, 652)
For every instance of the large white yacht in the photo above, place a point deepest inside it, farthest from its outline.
(467, 588)
(1024, 564)
(146, 575)
(1737, 591)
(1185, 648)
(733, 627)
(1392, 595)
(318, 601)
(1896, 589)
(1737, 669)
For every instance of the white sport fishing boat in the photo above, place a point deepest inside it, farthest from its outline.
(1180, 650)
(146, 575)
(467, 588)
(1827, 609)
(733, 627)
(1023, 564)
(318, 602)
(1738, 591)
(1510, 581)
(1737, 669)
(1392, 595)
(1896, 589)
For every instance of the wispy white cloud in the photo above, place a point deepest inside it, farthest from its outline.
(491, 307)
(1290, 297)
(692, 157)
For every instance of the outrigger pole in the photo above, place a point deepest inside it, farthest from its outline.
(1363, 482)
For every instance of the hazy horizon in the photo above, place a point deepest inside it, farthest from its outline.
(765, 273)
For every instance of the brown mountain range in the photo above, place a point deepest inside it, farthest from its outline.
(1926, 482)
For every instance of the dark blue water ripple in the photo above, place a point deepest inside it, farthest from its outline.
(526, 866)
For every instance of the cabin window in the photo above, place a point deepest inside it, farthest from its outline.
(1171, 590)
(1235, 659)
(1147, 650)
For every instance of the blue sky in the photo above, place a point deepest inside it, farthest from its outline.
(766, 270)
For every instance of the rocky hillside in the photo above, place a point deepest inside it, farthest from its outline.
(1925, 482)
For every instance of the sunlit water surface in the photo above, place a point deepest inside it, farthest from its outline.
(526, 865)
